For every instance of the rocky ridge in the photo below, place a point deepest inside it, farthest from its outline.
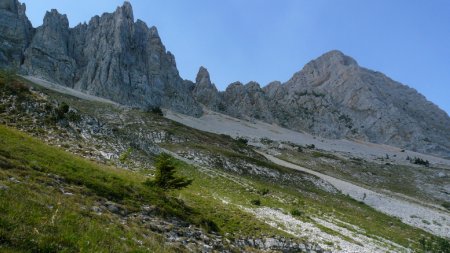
(115, 57)
(112, 56)
(333, 97)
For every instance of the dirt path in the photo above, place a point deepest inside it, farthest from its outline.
(432, 220)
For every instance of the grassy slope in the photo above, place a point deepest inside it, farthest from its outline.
(32, 221)
(38, 216)
(307, 199)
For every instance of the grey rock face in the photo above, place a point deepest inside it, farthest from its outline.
(48, 54)
(15, 33)
(334, 97)
(112, 57)
(246, 101)
(117, 58)
(206, 92)
(128, 64)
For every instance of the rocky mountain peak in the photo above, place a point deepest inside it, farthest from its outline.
(125, 10)
(335, 57)
(253, 86)
(235, 85)
(154, 32)
(54, 19)
(203, 78)
(204, 91)
(328, 66)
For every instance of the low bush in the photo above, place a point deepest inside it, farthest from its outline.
(421, 161)
(296, 212)
(255, 202)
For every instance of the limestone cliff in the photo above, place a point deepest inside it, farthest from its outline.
(334, 97)
(112, 56)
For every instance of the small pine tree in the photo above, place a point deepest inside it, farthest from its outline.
(165, 175)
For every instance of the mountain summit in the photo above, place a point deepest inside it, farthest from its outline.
(333, 97)
(115, 57)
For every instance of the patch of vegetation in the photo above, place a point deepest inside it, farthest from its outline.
(157, 111)
(263, 191)
(319, 154)
(266, 141)
(256, 202)
(310, 146)
(61, 111)
(165, 175)
(420, 161)
(446, 205)
(242, 142)
(296, 212)
(37, 216)
(11, 85)
(123, 158)
(435, 244)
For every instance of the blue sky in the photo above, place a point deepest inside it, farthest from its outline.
(245, 40)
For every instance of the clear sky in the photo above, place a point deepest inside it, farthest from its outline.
(266, 40)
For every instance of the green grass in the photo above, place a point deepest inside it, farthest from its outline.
(38, 217)
(303, 196)
(214, 201)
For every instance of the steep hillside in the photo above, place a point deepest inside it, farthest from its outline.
(239, 201)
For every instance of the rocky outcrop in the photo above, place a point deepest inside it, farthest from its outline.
(128, 64)
(112, 57)
(48, 55)
(246, 101)
(15, 33)
(204, 91)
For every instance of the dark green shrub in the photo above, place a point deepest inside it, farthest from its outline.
(61, 111)
(255, 202)
(296, 212)
(242, 142)
(157, 110)
(311, 146)
(165, 175)
(446, 205)
(209, 225)
(420, 161)
(73, 116)
(263, 191)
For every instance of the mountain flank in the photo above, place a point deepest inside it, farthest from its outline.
(115, 57)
